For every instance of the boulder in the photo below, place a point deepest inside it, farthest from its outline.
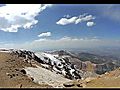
(68, 84)
(23, 71)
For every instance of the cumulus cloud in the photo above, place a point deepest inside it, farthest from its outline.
(15, 16)
(75, 19)
(65, 21)
(45, 34)
(89, 24)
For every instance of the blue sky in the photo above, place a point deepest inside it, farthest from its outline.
(59, 26)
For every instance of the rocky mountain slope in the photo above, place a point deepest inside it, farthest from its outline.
(91, 62)
(108, 80)
(58, 69)
(11, 72)
(24, 69)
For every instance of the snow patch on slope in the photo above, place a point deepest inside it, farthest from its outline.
(50, 57)
(42, 75)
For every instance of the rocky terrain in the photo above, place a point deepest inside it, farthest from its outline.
(23, 69)
(58, 69)
(108, 80)
(91, 62)
(11, 72)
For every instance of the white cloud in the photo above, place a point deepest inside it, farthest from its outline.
(89, 24)
(84, 18)
(87, 18)
(68, 42)
(45, 34)
(39, 40)
(65, 42)
(75, 20)
(67, 16)
(65, 21)
(15, 16)
(79, 20)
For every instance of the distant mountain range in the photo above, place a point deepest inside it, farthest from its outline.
(99, 64)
